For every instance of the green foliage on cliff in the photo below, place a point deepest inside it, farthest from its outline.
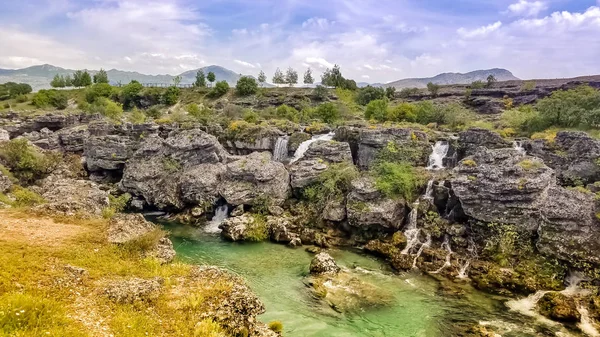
(397, 180)
(333, 183)
(54, 98)
(26, 162)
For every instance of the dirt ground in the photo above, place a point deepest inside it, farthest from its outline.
(20, 227)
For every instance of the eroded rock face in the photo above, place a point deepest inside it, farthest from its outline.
(133, 290)
(323, 264)
(182, 170)
(255, 177)
(470, 140)
(368, 209)
(67, 196)
(502, 186)
(317, 159)
(572, 154)
(5, 183)
(4, 135)
(234, 228)
(124, 228)
(559, 307)
(371, 141)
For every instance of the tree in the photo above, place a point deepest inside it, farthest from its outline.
(211, 77)
(327, 112)
(98, 90)
(68, 81)
(433, 88)
(246, 86)
(101, 77)
(278, 77)
(491, 79)
(377, 110)
(369, 93)
(171, 96)
(200, 79)
(130, 94)
(291, 77)
(390, 92)
(58, 81)
(320, 93)
(308, 79)
(77, 78)
(333, 78)
(86, 79)
(176, 80)
(262, 78)
(220, 89)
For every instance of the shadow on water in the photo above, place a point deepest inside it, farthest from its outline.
(418, 308)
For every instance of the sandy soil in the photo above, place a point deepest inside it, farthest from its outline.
(19, 227)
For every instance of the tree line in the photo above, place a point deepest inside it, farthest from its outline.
(80, 78)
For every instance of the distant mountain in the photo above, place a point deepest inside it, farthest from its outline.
(453, 78)
(39, 77)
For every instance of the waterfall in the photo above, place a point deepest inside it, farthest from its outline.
(527, 305)
(518, 145)
(280, 152)
(303, 147)
(439, 152)
(586, 324)
(221, 213)
(446, 245)
(429, 190)
(462, 273)
(424, 245)
(412, 232)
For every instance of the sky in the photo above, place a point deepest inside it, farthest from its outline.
(371, 40)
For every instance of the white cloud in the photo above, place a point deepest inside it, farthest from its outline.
(319, 62)
(317, 23)
(479, 32)
(526, 8)
(245, 64)
(366, 77)
(566, 20)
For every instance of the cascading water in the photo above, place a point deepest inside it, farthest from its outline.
(221, 213)
(472, 249)
(280, 152)
(303, 147)
(527, 305)
(424, 245)
(411, 232)
(446, 245)
(429, 190)
(439, 152)
(586, 324)
(518, 145)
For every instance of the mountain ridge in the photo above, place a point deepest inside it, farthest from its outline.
(454, 78)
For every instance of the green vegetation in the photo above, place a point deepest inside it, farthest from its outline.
(478, 85)
(308, 78)
(246, 86)
(46, 98)
(101, 76)
(320, 93)
(257, 231)
(327, 113)
(530, 165)
(11, 90)
(220, 89)
(25, 162)
(397, 180)
(469, 163)
(333, 184)
(377, 110)
(334, 78)
(171, 96)
(433, 89)
(407, 92)
(368, 94)
(276, 326)
(116, 205)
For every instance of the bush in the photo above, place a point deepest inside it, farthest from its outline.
(402, 112)
(98, 90)
(276, 326)
(130, 94)
(45, 98)
(287, 112)
(433, 89)
(524, 118)
(59, 100)
(320, 93)
(246, 85)
(26, 198)
(153, 112)
(327, 112)
(377, 110)
(407, 92)
(220, 89)
(528, 86)
(116, 205)
(27, 163)
(456, 116)
(21, 98)
(107, 108)
(397, 180)
(390, 92)
(478, 85)
(171, 96)
(333, 183)
(368, 94)
(579, 107)
(257, 230)
(251, 116)
(136, 116)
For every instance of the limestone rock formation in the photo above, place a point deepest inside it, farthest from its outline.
(124, 228)
(316, 159)
(4, 135)
(129, 291)
(323, 264)
(373, 140)
(5, 183)
(255, 177)
(471, 139)
(67, 196)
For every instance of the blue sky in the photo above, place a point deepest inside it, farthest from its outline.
(372, 40)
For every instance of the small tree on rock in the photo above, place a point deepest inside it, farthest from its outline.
(491, 79)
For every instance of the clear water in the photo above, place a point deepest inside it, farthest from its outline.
(277, 274)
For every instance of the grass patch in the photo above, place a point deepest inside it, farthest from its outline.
(257, 231)
(530, 165)
(276, 326)
(469, 163)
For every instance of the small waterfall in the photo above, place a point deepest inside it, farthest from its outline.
(526, 306)
(573, 289)
(462, 273)
(412, 232)
(429, 190)
(303, 147)
(446, 245)
(518, 145)
(586, 324)
(439, 152)
(280, 152)
(221, 213)
(424, 245)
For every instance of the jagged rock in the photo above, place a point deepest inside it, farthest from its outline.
(373, 140)
(72, 139)
(572, 154)
(5, 183)
(295, 242)
(275, 210)
(279, 228)
(234, 228)
(255, 177)
(183, 169)
(502, 186)
(335, 210)
(239, 210)
(4, 135)
(306, 172)
(137, 204)
(129, 291)
(316, 159)
(470, 140)
(163, 251)
(72, 197)
(367, 208)
(296, 139)
(323, 264)
(124, 228)
(559, 307)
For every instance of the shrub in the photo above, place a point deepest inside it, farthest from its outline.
(403, 112)
(107, 108)
(26, 198)
(171, 96)
(136, 116)
(530, 165)
(397, 180)
(251, 116)
(153, 112)
(333, 183)
(407, 92)
(21, 98)
(433, 89)
(478, 85)
(287, 112)
(45, 98)
(524, 118)
(469, 163)
(257, 230)
(320, 93)
(116, 205)
(327, 112)
(377, 110)
(246, 85)
(130, 94)
(27, 163)
(410, 152)
(579, 107)
(528, 86)
(390, 92)
(276, 326)
(98, 90)
(220, 89)
(368, 94)
(456, 116)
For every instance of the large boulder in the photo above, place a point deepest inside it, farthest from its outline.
(572, 154)
(323, 264)
(371, 141)
(4, 135)
(181, 170)
(73, 139)
(471, 139)
(255, 177)
(67, 196)
(368, 209)
(502, 186)
(317, 158)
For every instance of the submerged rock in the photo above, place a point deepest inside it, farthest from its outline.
(323, 264)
